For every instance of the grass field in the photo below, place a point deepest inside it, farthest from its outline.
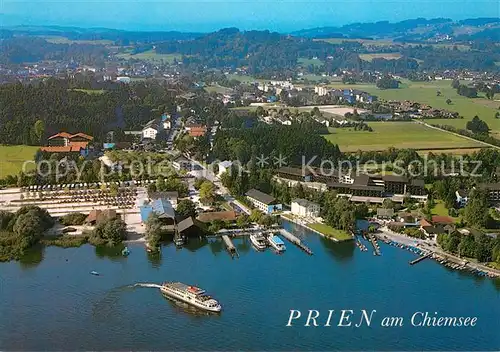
(398, 135)
(387, 56)
(151, 56)
(426, 92)
(330, 231)
(307, 62)
(12, 158)
(441, 210)
(63, 40)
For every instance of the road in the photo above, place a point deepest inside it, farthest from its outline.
(458, 135)
(433, 247)
(199, 170)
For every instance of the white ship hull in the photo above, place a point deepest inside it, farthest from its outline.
(260, 245)
(279, 247)
(188, 299)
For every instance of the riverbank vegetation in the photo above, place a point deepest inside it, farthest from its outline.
(21, 230)
(329, 231)
(25, 228)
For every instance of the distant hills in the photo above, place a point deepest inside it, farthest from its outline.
(410, 30)
(419, 29)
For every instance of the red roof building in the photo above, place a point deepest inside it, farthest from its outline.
(197, 131)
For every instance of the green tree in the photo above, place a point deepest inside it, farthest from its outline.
(476, 211)
(110, 232)
(255, 215)
(39, 130)
(186, 208)
(207, 192)
(153, 230)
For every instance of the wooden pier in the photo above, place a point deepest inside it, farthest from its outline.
(376, 246)
(230, 246)
(419, 259)
(296, 241)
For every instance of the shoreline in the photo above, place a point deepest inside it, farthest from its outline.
(436, 252)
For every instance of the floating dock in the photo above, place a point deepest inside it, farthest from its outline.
(376, 246)
(229, 245)
(419, 259)
(296, 241)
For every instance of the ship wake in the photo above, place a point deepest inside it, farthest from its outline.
(146, 284)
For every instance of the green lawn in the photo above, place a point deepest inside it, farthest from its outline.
(150, 55)
(12, 158)
(307, 62)
(387, 56)
(329, 231)
(398, 135)
(426, 92)
(441, 210)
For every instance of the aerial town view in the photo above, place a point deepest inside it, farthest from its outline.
(257, 176)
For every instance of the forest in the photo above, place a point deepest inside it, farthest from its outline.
(61, 108)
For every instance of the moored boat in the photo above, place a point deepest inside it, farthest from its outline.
(277, 243)
(191, 295)
(258, 241)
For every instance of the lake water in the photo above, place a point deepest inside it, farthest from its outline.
(51, 302)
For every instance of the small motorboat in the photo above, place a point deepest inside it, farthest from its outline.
(94, 273)
(125, 251)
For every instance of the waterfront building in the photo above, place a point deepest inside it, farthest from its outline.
(171, 196)
(161, 207)
(262, 201)
(304, 207)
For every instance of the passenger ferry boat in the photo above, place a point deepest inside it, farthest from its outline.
(259, 241)
(191, 295)
(277, 243)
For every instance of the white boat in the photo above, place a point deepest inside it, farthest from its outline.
(179, 241)
(277, 243)
(258, 241)
(94, 273)
(191, 295)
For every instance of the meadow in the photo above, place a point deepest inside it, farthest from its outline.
(426, 92)
(387, 56)
(63, 40)
(12, 158)
(151, 56)
(398, 135)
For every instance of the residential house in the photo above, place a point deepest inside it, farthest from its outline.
(304, 207)
(262, 201)
(462, 198)
(96, 216)
(181, 162)
(492, 191)
(433, 231)
(151, 129)
(224, 166)
(442, 220)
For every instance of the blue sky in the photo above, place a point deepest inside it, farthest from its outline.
(207, 15)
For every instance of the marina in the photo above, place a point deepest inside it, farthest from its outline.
(258, 291)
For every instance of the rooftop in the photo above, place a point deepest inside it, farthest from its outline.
(260, 196)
